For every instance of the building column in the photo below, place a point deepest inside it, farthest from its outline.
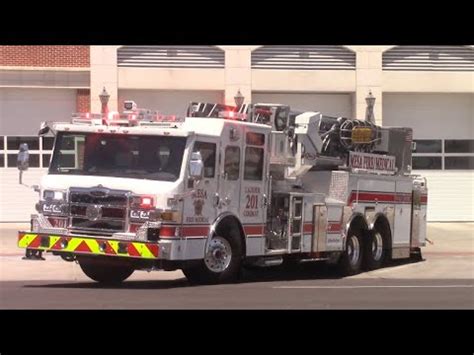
(103, 61)
(368, 78)
(238, 73)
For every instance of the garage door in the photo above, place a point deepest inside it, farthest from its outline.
(329, 104)
(21, 112)
(169, 102)
(443, 129)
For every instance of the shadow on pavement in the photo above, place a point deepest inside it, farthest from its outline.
(306, 271)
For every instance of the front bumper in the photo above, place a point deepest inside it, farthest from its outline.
(88, 245)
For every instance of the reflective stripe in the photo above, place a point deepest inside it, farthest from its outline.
(88, 245)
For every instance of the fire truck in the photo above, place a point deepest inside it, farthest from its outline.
(222, 189)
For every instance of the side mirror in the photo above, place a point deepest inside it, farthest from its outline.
(44, 128)
(23, 160)
(196, 166)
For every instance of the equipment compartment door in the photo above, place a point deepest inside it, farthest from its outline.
(403, 195)
(296, 223)
(418, 223)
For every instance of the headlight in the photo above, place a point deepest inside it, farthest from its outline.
(139, 214)
(53, 195)
(154, 215)
(54, 208)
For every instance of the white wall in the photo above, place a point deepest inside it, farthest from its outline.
(450, 195)
(17, 202)
(431, 115)
(169, 101)
(23, 110)
(438, 116)
(328, 104)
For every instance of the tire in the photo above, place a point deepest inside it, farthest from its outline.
(351, 260)
(105, 271)
(375, 251)
(221, 264)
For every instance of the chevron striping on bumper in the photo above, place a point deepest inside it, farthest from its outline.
(95, 246)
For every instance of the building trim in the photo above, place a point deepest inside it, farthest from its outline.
(28, 68)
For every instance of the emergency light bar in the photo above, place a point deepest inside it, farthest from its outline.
(125, 119)
(232, 115)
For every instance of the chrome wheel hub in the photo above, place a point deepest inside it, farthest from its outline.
(377, 246)
(218, 255)
(353, 250)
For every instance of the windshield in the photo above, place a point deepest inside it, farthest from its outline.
(134, 156)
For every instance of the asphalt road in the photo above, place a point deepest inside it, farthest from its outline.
(311, 288)
(444, 280)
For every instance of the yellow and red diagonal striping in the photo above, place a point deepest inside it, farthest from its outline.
(87, 245)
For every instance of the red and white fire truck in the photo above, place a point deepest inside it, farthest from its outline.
(223, 189)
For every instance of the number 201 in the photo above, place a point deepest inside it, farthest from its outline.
(252, 201)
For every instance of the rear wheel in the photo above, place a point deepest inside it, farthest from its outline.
(221, 263)
(104, 270)
(351, 259)
(375, 251)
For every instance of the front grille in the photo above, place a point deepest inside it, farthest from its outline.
(106, 212)
(98, 210)
(106, 227)
(106, 200)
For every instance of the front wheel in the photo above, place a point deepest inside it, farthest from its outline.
(105, 271)
(351, 259)
(221, 263)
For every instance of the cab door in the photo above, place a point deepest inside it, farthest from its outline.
(230, 171)
(200, 208)
(254, 194)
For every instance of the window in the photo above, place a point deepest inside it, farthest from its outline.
(428, 163)
(253, 163)
(232, 162)
(447, 154)
(208, 154)
(461, 163)
(48, 143)
(46, 159)
(459, 146)
(13, 143)
(427, 146)
(12, 158)
(253, 138)
(132, 156)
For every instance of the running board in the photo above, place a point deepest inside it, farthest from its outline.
(313, 259)
(276, 251)
(268, 261)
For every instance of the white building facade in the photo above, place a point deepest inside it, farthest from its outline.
(429, 88)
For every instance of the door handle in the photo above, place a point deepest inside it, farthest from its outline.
(217, 200)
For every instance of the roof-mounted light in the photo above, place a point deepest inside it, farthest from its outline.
(232, 115)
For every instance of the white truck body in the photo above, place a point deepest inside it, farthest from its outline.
(272, 183)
